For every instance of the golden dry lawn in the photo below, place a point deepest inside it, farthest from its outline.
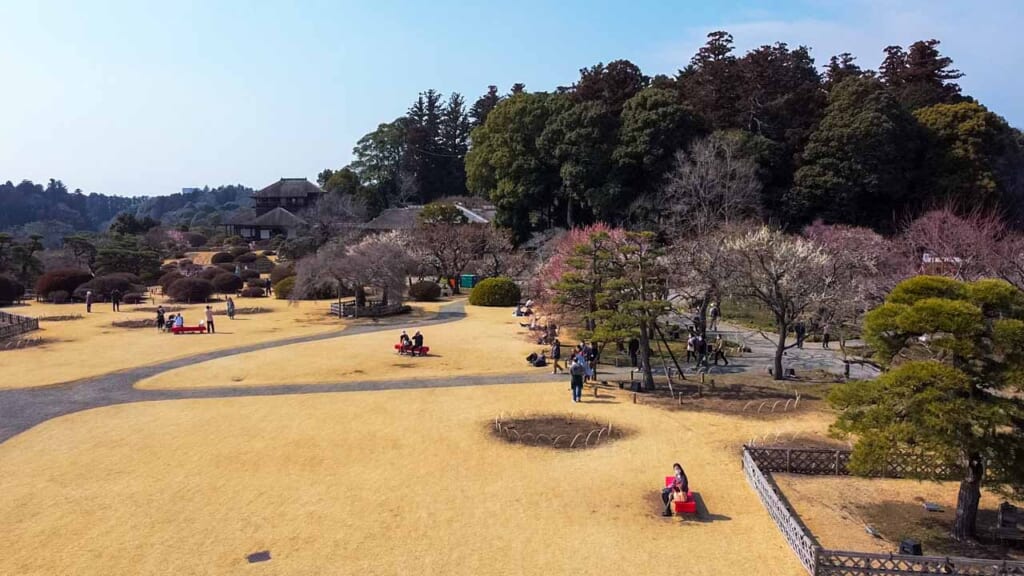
(488, 341)
(834, 508)
(397, 482)
(91, 346)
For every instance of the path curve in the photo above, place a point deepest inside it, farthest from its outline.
(22, 409)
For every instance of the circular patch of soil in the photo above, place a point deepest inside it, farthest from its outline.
(134, 323)
(558, 431)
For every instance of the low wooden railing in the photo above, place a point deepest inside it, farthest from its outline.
(818, 462)
(14, 325)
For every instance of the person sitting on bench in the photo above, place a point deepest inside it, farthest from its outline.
(179, 321)
(169, 323)
(417, 343)
(680, 482)
(405, 341)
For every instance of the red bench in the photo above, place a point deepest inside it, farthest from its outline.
(187, 329)
(414, 350)
(688, 507)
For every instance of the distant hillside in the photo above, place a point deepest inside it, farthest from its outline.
(52, 209)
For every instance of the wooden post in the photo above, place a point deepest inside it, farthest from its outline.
(788, 454)
(837, 463)
(634, 397)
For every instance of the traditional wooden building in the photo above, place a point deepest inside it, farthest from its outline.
(275, 208)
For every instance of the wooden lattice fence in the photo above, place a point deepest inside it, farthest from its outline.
(759, 463)
(14, 325)
(793, 530)
(818, 462)
(841, 563)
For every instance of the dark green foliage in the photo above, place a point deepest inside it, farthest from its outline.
(920, 76)
(130, 255)
(442, 213)
(169, 278)
(221, 258)
(59, 297)
(103, 286)
(225, 283)
(191, 290)
(65, 280)
(210, 272)
(195, 240)
(252, 292)
(281, 271)
(954, 393)
(283, 289)
(425, 291)
(249, 274)
(227, 266)
(128, 225)
(859, 164)
(134, 298)
(237, 251)
(495, 292)
(10, 290)
(246, 257)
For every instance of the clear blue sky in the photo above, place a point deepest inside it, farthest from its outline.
(138, 97)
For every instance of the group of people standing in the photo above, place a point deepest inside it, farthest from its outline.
(165, 323)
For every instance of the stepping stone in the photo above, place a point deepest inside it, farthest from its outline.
(262, 556)
(932, 507)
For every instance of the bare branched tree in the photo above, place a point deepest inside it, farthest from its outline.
(788, 275)
(711, 184)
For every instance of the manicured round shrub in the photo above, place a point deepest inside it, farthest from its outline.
(256, 283)
(283, 289)
(226, 283)
(10, 289)
(166, 280)
(280, 272)
(253, 293)
(191, 290)
(195, 239)
(169, 267)
(269, 253)
(134, 298)
(227, 266)
(246, 258)
(65, 280)
(221, 257)
(211, 272)
(103, 286)
(249, 275)
(238, 251)
(59, 297)
(425, 291)
(234, 240)
(495, 292)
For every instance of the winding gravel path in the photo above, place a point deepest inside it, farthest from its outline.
(23, 409)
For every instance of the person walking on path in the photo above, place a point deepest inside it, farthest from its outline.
(115, 300)
(691, 344)
(634, 350)
(576, 373)
(715, 314)
(88, 301)
(231, 308)
(825, 336)
(556, 355)
(209, 320)
(720, 350)
(801, 331)
(160, 320)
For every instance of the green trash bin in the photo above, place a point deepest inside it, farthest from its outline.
(467, 280)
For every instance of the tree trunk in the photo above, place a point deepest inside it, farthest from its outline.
(779, 349)
(647, 380)
(568, 212)
(968, 498)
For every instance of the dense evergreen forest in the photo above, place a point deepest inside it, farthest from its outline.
(841, 144)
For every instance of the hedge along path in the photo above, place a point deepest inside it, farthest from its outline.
(21, 409)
